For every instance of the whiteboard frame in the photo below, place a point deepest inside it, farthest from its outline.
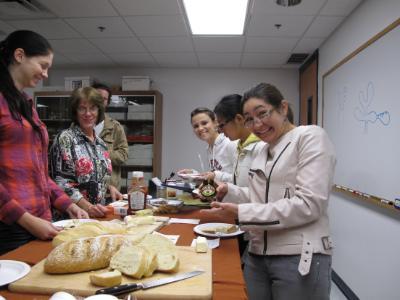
(358, 194)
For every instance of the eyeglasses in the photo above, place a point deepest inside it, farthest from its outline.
(82, 110)
(221, 125)
(262, 117)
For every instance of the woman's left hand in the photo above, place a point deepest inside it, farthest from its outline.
(75, 212)
(220, 209)
(114, 193)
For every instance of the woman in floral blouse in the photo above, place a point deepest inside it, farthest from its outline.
(80, 162)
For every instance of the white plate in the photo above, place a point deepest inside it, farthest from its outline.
(11, 270)
(193, 175)
(162, 201)
(199, 230)
(72, 222)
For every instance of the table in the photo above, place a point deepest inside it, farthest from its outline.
(228, 282)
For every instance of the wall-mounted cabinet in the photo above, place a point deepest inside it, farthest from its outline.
(139, 112)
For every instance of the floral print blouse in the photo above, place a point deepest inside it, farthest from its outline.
(79, 166)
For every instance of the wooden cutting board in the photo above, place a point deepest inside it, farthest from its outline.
(198, 287)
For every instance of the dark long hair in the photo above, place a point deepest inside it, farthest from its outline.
(228, 107)
(33, 44)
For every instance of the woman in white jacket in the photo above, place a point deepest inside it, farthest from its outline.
(231, 123)
(221, 151)
(289, 254)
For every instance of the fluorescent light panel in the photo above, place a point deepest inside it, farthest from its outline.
(216, 17)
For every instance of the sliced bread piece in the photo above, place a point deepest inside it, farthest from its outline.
(167, 256)
(106, 279)
(130, 260)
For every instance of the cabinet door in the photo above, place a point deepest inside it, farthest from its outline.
(54, 111)
(140, 127)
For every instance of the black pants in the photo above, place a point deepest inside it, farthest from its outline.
(13, 236)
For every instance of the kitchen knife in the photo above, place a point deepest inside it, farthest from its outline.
(130, 287)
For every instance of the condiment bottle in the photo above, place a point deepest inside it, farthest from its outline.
(137, 193)
(208, 190)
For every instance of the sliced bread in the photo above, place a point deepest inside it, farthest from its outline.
(130, 260)
(106, 279)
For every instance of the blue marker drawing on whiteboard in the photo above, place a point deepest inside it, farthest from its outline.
(364, 114)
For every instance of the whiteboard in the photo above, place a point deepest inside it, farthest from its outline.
(361, 110)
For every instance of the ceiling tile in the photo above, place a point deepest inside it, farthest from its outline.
(89, 27)
(49, 28)
(90, 59)
(15, 10)
(73, 46)
(308, 45)
(133, 59)
(6, 28)
(291, 26)
(158, 25)
(212, 59)
(60, 60)
(168, 44)
(323, 26)
(218, 44)
(119, 45)
(264, 44)
(176, 59)
(79, 8)
(339, 7)
(146, 7)
(264, 60)
(306, 7)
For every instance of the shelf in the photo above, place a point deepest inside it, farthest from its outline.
(142, 127)
(123, 109)
(140, 139)
(56, 120)
(149, 121)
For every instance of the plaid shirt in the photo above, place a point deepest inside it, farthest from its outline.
(25, 185)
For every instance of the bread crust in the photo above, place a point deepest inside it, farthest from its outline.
(84, 254)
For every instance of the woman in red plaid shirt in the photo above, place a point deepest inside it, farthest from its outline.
(26, 190)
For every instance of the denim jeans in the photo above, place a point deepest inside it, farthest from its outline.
(275, 277)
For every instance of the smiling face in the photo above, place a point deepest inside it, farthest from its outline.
(28, 71)
(87, 116)
(264, 120)
(204, 127)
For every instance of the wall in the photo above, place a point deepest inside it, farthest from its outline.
(367, 247)
(185, 89)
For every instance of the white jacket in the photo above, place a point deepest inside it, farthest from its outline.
(221, 157)
(244, 159)
(289, 186)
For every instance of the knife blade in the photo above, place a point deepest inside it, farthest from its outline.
(131, 287)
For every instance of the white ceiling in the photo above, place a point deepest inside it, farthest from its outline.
(155, 33)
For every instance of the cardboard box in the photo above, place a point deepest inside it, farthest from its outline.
(135, 83)
(72, 83)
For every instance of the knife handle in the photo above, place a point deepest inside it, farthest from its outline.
(120, 289)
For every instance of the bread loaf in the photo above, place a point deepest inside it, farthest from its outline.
(106, 279)
(84, 254)
(91, 229)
